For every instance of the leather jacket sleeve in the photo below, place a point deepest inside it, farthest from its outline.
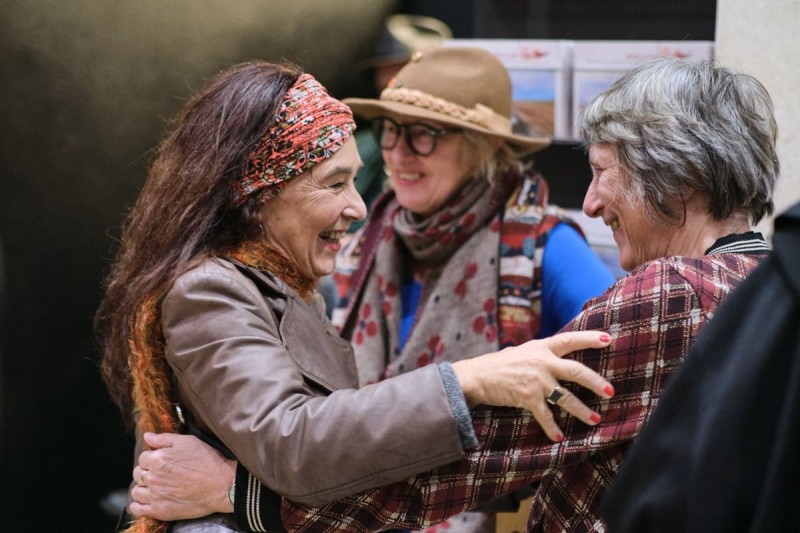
(267, 375)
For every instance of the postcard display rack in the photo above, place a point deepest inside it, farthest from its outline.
(553, 80)
(598, 64)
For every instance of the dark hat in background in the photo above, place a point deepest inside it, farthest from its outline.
(402, 36)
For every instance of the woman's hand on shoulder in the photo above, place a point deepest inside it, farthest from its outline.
(525, 375)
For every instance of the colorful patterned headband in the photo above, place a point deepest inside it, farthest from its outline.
(309, 128)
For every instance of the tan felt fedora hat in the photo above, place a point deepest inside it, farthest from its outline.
(465, 87)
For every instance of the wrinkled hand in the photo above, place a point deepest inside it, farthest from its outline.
(183, 478)
(523, 376)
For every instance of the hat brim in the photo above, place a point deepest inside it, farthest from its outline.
(370, 108)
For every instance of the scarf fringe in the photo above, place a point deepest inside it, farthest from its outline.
(146, 525)
(262, 257)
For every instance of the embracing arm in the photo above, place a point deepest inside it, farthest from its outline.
(513, 451)
(653, 317)
(536, 365)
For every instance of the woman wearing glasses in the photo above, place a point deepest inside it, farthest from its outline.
(462, 255)
(464, 237)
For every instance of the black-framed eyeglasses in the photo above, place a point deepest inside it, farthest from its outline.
(420, 138)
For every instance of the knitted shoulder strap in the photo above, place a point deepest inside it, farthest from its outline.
(526, 225)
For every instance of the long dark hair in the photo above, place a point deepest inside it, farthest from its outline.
(185, 211)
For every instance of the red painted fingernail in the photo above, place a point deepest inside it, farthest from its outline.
(605, 338)
(594, 417)
(559, 437)
(609, 390)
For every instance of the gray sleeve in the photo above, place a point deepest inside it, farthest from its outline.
(458, 406)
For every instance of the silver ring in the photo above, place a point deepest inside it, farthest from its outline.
(555, 395)
(141, 478)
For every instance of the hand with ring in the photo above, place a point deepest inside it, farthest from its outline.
(528, 376)
(555, 395)
(179, 478)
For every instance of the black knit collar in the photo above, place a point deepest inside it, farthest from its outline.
(749, 242)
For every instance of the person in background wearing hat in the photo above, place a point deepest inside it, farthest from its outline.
(463, 252)
(680, 186)
(210, 322)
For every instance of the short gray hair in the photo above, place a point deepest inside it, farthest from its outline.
(681, 125)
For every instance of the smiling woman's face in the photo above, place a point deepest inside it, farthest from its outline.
(638, 237)
(422, 184)
(308, 218)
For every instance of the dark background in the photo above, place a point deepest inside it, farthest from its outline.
(85, 90)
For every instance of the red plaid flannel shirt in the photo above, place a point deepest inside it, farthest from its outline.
(654, 315)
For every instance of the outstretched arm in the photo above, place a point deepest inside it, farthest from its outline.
(650, 339)
(533, 369)
(514, 378)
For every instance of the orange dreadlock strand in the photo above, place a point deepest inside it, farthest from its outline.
(151, 386)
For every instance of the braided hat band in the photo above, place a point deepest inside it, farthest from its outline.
(309, 128)
(465, 87)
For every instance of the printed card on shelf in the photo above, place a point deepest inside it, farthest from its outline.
(539, 71)
(598, 64)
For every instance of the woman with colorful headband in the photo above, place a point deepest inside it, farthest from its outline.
(683, 162)
(210, 323)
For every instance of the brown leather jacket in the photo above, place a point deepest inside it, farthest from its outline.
(267, 374)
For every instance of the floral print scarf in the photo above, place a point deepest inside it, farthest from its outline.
(455, 254)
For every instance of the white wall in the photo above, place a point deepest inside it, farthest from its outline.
(763, 39)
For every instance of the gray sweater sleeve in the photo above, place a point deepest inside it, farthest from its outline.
(458, 406)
